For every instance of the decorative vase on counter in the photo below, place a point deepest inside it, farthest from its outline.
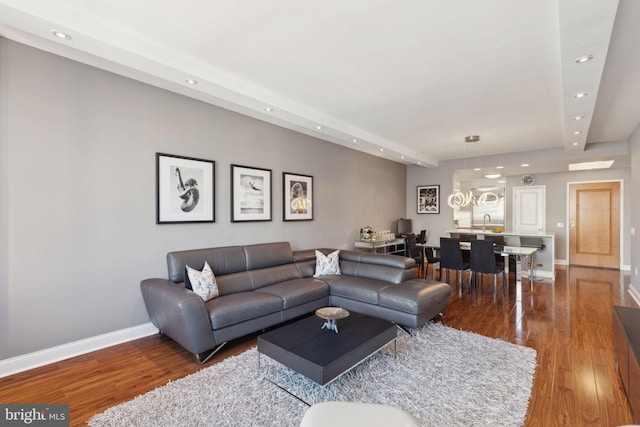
(366, 233)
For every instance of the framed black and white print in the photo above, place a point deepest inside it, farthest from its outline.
(428, 199)
(250, 194)
(185, 189)
(298, 197)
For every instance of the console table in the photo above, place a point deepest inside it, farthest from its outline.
(626, 341)
(396, 246)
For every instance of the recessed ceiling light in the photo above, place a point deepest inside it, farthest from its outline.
(602, 164)
(580, 95)
(61, 35)
(268, 109)
(583, 59)
(476, 169)
(525, 165)
(576, 132)
(578, 117)
(354, 140)
(419, 163)
(575, 144)
(191, 82)
(381, 150)
(492, 175)
(486, 189)
(319, 127)
(499, 167)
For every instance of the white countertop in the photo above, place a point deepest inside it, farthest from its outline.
(504, 233)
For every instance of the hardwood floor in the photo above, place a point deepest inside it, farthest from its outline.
(568, 323)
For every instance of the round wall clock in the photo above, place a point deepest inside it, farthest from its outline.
(528, 179)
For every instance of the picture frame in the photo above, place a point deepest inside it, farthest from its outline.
(297, 200)
(250, 194)
(185, 189)
(428, 199)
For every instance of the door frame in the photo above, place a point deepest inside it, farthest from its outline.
(568, 219)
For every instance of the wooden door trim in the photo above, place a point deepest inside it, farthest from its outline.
(567, 233)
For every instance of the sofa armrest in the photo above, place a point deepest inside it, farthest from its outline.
(179, 313)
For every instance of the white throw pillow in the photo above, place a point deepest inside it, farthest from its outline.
(327, 265)
(203, 282)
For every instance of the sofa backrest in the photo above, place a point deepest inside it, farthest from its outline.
(305, 262)
(250, 267)
(237, 268)
(223, 260)
(267, 255)
(388, 268)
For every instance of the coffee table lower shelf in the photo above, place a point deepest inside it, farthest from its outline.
(323, 355)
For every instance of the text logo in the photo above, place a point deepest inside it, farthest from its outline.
(34, 415)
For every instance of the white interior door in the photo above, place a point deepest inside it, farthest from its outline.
(529, 208)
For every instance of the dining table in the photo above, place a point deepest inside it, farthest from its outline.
(520, 253)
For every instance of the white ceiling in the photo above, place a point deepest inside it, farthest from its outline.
(412, 78)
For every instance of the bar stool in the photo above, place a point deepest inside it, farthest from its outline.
(532, 242)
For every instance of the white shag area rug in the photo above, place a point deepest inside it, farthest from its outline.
(443, 376)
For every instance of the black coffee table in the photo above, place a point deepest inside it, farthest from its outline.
(323, 355)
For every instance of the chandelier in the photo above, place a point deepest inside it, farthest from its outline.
(460, 200)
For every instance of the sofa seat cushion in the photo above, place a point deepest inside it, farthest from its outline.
(356, 288)
(297, 291)
(415, 296)
(230, 309)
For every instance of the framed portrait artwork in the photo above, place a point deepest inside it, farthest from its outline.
(250, 194)
(298, 197)
(428, 199)
(185, 189)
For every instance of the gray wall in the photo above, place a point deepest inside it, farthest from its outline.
(556, 190)
(77, 193)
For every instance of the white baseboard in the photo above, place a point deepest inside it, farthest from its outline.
(55, 354)
(634, 294)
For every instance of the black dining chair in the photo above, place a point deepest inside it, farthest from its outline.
(498, 241)
(432, 256)
(498, 245)
(483, 261)
(467, 237)
(413, 251)
(451, 258)
(423, 236)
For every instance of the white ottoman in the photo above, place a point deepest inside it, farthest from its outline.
(352, 414)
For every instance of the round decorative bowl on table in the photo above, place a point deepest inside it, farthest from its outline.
(331, 315)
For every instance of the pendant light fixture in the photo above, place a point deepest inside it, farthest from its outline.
(460, 200)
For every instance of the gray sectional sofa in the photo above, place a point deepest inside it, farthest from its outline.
(263, 285)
